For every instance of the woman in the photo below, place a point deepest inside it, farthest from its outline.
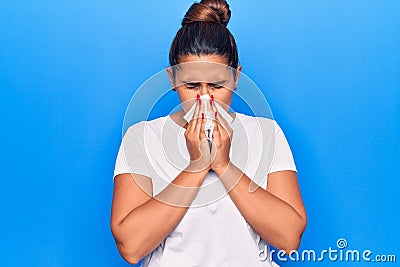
(161, 224)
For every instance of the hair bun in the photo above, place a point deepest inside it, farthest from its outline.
(208, 11)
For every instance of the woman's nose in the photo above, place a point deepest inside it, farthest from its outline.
(204, 89)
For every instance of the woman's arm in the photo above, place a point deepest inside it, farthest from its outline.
(276, 214)
(140, 222)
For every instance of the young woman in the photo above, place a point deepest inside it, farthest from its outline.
(171, 225)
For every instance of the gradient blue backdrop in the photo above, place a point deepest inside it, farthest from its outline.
(330, 70)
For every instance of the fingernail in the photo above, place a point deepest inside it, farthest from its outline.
(215, 115)
(198, 96)
(202, 115)
(211, 99)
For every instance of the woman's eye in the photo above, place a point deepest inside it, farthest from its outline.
(217, 86)
(190, 86)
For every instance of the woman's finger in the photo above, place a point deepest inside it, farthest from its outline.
(223, 126)
(221, 119)
(202, 127)
(200, 119)
(213, 109)
(216, 133)
(193, 121)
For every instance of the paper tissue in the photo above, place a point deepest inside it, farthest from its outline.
(208, 114)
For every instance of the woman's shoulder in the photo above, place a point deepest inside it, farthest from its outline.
(257, 121)
(152, 124)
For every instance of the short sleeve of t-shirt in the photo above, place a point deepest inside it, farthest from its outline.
(131, 157)
(283, 158)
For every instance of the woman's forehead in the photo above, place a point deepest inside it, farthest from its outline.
(203, 71)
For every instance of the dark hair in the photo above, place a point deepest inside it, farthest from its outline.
(204, 32)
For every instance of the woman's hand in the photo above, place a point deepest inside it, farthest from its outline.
(196, 141)
(221, 138)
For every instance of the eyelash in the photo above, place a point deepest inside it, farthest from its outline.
(192, 87)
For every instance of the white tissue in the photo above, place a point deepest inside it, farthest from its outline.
(208, 114)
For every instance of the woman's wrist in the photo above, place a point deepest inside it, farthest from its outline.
(196, 169)
(230, 175)
(220, 170)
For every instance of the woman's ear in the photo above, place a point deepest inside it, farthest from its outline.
(171, 77)
(238, 71)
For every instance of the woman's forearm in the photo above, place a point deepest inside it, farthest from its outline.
(145, 227)
(273, 219)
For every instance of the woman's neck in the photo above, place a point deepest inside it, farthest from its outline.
(178, 118)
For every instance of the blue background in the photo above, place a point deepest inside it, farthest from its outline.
(329, 69)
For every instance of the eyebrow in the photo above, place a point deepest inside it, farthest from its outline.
(218, 82)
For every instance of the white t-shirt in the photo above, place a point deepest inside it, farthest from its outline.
(213, 232)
